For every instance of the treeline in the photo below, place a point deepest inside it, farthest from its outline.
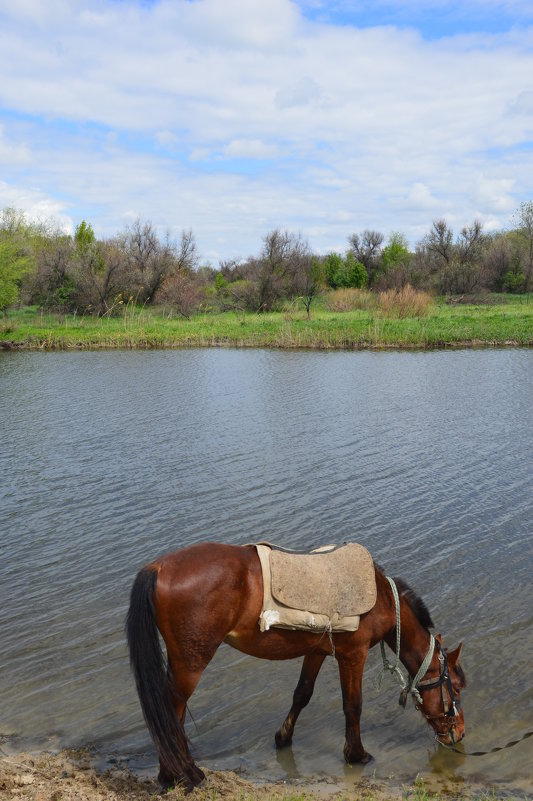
(40, 264)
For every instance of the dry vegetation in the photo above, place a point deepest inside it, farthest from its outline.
(393, 303)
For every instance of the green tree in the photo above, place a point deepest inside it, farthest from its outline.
(16, 252)
(355, 274)
(345, 272)
(84, 238)
(333, 266)
(14, 264)
(395, 253)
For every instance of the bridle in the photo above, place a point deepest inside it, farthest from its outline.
(418, 685)
(451, 707)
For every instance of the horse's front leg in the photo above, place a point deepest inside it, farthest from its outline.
(302, 695)
(351, 675)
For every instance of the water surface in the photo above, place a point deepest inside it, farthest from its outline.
(109, 459)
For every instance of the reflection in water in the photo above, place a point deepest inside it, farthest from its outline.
(286, 761)
(107, 459)
(445, 763)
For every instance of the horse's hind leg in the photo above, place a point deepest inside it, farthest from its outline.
(302, 695)
(186, 664)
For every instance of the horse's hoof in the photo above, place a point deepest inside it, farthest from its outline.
(358, 758)
(282, 741)
(185, 783)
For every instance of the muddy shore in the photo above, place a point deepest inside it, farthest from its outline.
(71, 775)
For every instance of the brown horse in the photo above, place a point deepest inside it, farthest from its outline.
(207, 594)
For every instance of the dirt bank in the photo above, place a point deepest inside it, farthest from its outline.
(71, 776)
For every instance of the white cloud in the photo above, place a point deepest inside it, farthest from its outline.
(250, 149)
(11, 153)
(299, 93)
(37, 206)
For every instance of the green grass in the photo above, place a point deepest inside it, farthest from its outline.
(509, 322)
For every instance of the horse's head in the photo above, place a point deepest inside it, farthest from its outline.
(440, 692)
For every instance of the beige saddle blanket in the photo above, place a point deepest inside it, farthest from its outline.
(325, 590)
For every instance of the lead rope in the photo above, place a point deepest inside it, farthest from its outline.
(410, 686)
(484, 753)
(395, 668)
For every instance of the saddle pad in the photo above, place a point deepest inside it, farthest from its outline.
(327, 589)
(341, 581)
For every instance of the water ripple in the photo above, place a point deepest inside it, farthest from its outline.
(108, 459)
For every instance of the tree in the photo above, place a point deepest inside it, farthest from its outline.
(150, 260)
(345, 272)
(14, 264)
(275, 272)
(84, 237)
(439, 242)
(395, 253)
(497, 261)
(455, 267)
(333, 267)
(309, 281)
(366, 248)
(523, 236)
(182, 291)
(16, 255)
(98, 277)
(53, 285)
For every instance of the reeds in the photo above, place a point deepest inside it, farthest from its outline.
(394, 303)
(349, 299)
(405, 302)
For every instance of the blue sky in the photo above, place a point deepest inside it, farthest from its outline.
(433, 20)
(232, 117)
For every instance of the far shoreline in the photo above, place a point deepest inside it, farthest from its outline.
(44, 346)
(503, 323)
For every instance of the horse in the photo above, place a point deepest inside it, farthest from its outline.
(209, 593)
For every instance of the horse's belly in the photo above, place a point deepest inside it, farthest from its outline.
(278, 643)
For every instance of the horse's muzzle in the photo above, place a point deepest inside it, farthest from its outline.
(455, 733)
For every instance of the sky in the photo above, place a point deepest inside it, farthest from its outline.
(235, 117)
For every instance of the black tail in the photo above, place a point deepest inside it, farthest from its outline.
(154, 684)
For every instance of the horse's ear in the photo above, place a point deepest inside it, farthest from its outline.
(455, 655)
(439, 639)
(453, 662)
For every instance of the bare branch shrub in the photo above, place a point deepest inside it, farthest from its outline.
(183, 292)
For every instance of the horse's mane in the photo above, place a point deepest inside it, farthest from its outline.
(416, 603)
(418, 607)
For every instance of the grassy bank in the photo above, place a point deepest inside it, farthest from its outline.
(508, 322)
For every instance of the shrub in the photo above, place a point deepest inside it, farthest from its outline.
(514, 281)
(349, 299)
(405, 302)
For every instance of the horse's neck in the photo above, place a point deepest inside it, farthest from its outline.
(414, 640)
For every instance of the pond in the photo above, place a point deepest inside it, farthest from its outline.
(110, 459)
